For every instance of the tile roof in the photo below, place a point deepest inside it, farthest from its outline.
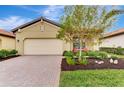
(114, 33)
(34, 21)
(6, 33)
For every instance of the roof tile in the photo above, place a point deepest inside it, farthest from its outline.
(6, 33)
(114, 33)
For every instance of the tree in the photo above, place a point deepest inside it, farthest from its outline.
(86, 23)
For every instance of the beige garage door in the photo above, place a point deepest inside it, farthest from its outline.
(43, 47)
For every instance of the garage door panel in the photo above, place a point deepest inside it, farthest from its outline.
(43, 47)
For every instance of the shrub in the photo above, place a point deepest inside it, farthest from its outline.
(119, 51)
(13, 52)
(97, 54)
(68, 54)
(70, 61)
(84, 61)
(114, 57)
(82, 53)
(92, 54)
(102, 54)
(5, 53)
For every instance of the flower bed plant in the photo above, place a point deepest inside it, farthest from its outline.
(91, 60)
(104, 64)
(71, 57)
(95, 54)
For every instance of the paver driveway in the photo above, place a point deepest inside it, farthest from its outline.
(30, 71)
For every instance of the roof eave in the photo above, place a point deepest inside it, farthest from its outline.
(113, 35)
(7, 35)
(34, 21)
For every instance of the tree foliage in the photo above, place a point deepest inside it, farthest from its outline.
(87, 23)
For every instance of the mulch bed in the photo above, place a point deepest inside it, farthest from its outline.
(92, 65)
(2, 59)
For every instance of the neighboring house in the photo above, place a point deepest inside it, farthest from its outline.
(114, 39)
(38, 37)
(7, 40)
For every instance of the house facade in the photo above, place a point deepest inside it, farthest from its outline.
(7, 40)
(38, 37)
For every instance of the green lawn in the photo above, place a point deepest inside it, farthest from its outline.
(92, 78)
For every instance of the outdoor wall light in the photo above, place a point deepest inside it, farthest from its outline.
(17, 40)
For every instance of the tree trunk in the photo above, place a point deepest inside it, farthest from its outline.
(80, 50)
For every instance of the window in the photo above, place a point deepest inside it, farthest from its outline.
(76, 44)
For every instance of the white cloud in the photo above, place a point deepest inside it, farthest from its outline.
(12, 22)
(53, 12)
(29, 8)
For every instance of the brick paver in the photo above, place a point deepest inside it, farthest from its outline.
(30, 71)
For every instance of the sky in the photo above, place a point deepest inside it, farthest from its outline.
(16, 15)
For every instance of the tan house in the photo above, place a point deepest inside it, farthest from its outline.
(38, 37)
(114, 39)
(7, 40)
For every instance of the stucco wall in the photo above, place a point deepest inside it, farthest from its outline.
(34, 31)
(115, 41)
(7, 43)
